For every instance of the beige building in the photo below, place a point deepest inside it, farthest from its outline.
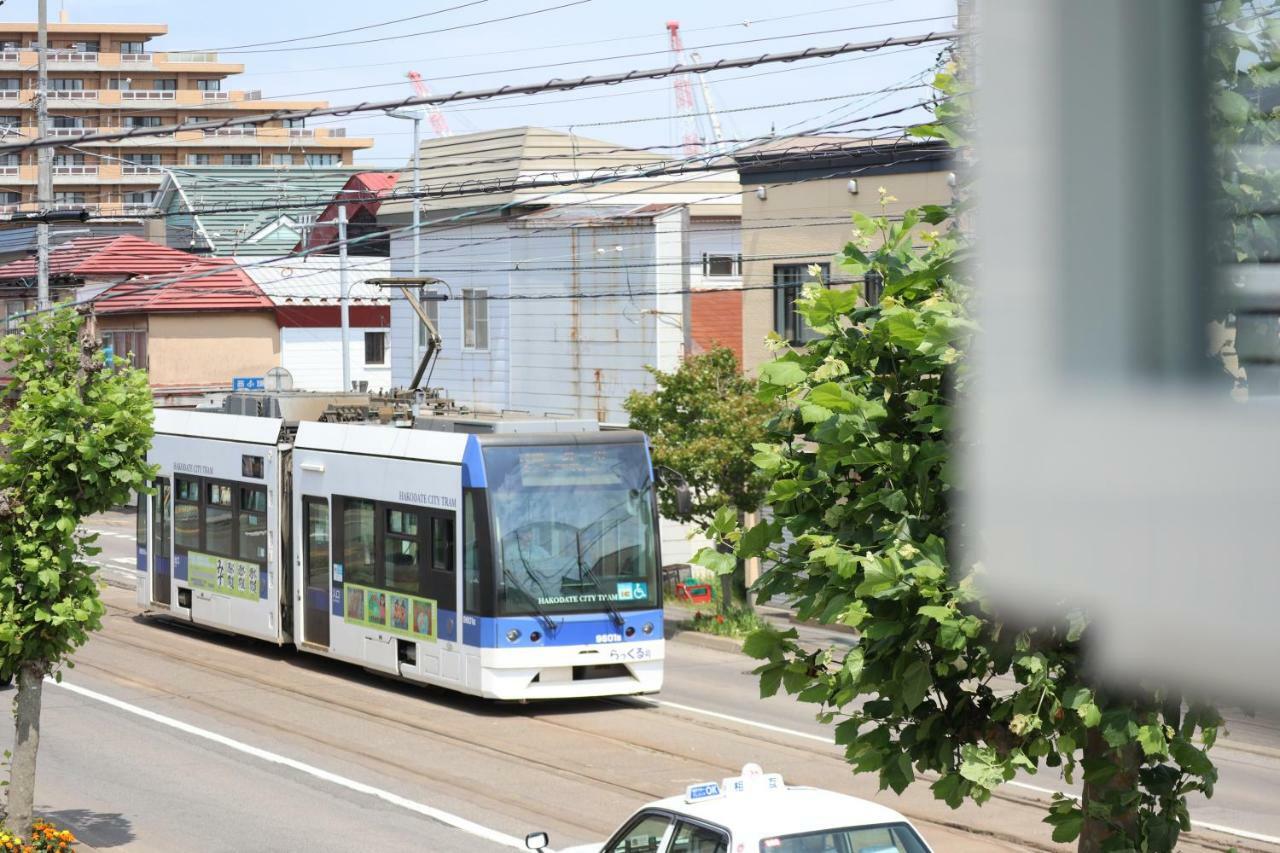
(108, 76)
(797, 206)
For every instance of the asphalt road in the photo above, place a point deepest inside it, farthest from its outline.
(169, 739)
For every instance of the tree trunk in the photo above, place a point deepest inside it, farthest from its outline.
(26, 740)
(1127, 760)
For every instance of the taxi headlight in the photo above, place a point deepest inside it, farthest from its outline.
(513, 635)
(648, 628)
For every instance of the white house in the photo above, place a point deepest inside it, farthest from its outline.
(559, 296)
(306, 291)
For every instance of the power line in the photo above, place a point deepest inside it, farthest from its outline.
(481, 94)
(455, 28)
(234, 47)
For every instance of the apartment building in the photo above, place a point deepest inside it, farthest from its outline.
(108, 76)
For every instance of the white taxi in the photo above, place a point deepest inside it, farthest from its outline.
(757, 813)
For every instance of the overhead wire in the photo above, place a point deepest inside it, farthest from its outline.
(550, 85)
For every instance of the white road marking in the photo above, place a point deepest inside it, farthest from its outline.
(1212, 827)
(444, 817)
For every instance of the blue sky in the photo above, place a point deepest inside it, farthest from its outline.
(603, 32)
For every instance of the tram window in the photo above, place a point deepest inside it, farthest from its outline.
(186, 513)
(253, 524)
(470, 557)
(140, 532)
(317, 543)
(400, 551)
(217, 519)
(442, 544)
(358, 541)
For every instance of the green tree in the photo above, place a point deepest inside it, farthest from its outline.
(862, 534)
(73, 442)
(702, 419)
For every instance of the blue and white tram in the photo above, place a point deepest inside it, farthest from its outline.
(494, 561)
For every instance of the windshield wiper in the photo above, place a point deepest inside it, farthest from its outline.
(614, 613)
(538, 612)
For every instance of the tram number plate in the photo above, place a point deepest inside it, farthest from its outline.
(637, 653)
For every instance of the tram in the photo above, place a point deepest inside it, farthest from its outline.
(508, 558)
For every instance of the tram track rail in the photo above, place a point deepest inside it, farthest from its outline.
(315, 664)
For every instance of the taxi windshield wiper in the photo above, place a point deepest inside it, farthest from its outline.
(614, 613)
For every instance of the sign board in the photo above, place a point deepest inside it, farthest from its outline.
(247, 383)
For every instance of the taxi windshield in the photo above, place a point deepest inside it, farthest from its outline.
(885, 838)
(573, 527)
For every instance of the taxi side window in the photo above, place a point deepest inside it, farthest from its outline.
(691, 838)
(644, 835)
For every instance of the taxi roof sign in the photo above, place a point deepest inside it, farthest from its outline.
(753, 779)
(702, 791)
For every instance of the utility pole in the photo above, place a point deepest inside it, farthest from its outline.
(44, 158)
(344, 297)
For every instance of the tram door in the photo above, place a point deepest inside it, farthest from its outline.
(161, 534)
(315, 556)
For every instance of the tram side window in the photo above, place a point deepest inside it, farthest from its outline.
(442, 544)
(358, 535)
(140, 533)
(400, 551)
(217, 519)
(470, 559)
(253, 524)
(186, 513)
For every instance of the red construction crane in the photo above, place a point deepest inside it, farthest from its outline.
(438, 123)
(686, 106)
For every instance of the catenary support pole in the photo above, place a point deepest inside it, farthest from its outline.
(44, 157)
(344, 297)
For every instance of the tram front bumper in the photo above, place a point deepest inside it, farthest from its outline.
(566, 672)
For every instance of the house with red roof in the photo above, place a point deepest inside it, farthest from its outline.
(363, 194)
(193, 323)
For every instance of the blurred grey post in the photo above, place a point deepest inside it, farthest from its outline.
(1109, 470)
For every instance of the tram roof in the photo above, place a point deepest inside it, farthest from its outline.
(376, 440)
(246, 428)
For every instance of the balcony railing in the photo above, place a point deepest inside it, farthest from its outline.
(8, 170)
(72, 56)
(73, 94)
(302, 131)
(141, 170)
(75, 170)
(232, 131)
(9, 94)
(10, 56)
(71, 131)
(9, 208)
(148, 95)
(191, 56)
(137, 207)
(72, 205)
(216, 96)
(135, 57)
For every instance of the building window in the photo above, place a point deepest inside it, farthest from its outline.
(10, 121)
(199, 160)
(165, 84)
(147, 197)
(10, 197)
(144, 160)
(68, 198)
(11, 159)
(133, 47)
(721, 265)
(68, 159)
(209, 85)
(120, 84)
(324, 160)
(788, 279)
(241, 159)
(84, 46)
(475, 319)
(143, 121)
(67, 121)
(375, 348)
(66, 84)
(281, 159)
(430, 302)
(295, 122)
(10, 84)
(127, 347)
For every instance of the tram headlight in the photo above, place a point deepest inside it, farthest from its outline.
(631, 631)
(535, 637)
(513, 635)
(648, 628)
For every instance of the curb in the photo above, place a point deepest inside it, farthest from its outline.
(674, 633)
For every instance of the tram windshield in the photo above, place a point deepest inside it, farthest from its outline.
(573, 527)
